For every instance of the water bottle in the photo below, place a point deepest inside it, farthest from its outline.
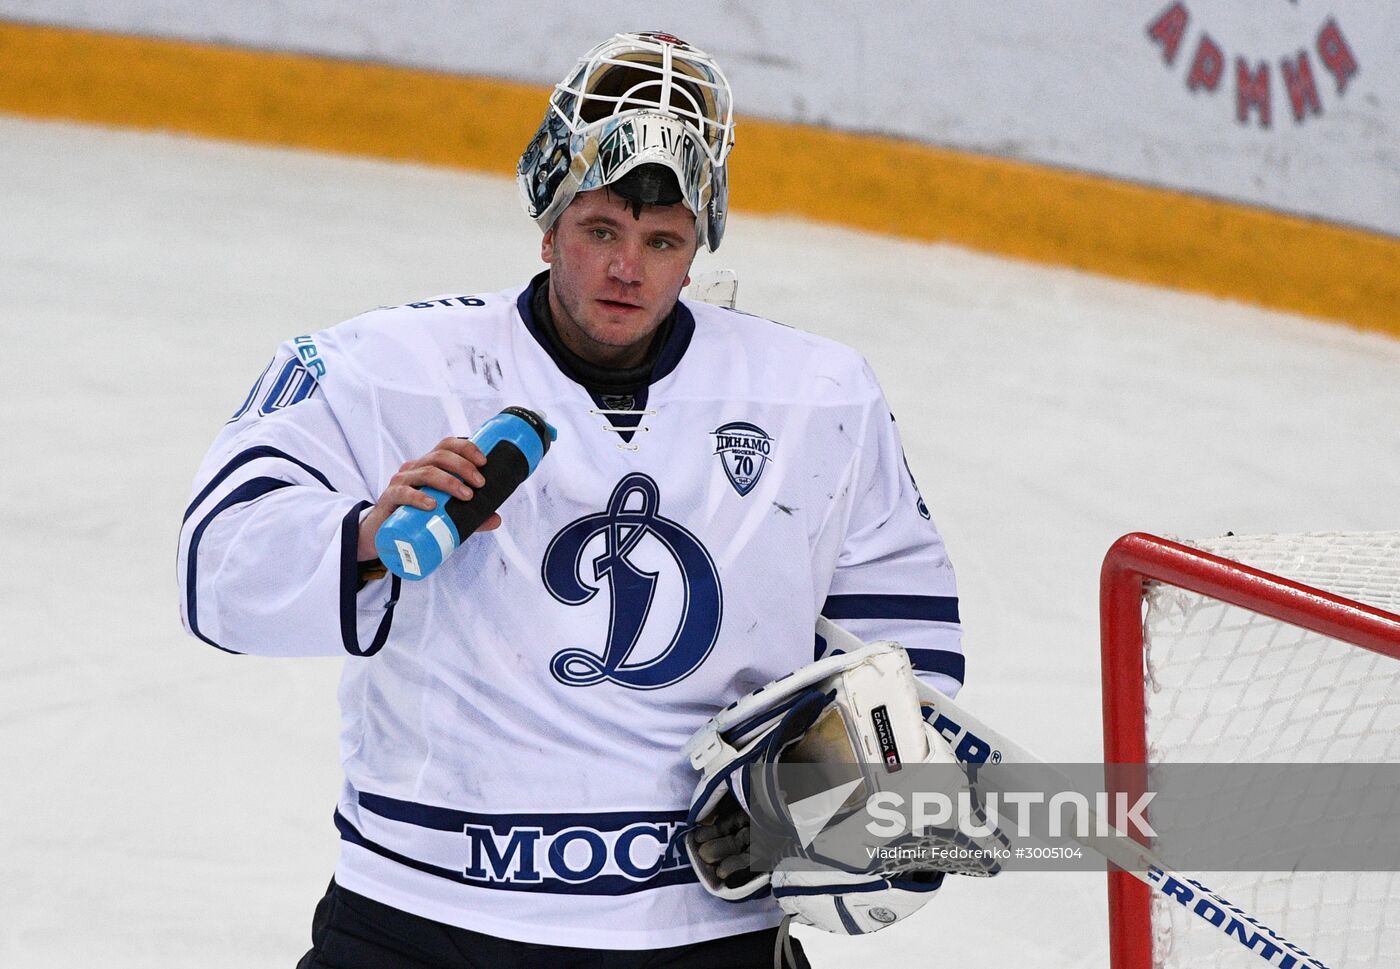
(413, 542)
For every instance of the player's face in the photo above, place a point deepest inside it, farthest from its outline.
(613, 278)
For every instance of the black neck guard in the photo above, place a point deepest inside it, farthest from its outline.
(600, 380)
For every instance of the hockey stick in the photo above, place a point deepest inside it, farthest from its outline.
(956, 724)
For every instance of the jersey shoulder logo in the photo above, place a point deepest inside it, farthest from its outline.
(743, 450)
(294, 381)
(633, 544)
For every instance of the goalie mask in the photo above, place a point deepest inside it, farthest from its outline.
(646, 115)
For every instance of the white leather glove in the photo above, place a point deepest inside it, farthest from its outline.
(848, 903)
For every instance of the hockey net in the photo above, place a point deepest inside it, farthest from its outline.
(1273, 649)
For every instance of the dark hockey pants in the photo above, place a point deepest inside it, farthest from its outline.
(350, 931)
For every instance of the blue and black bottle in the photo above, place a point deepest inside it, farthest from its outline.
(413, 542)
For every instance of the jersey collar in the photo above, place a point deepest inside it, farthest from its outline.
(668, 356)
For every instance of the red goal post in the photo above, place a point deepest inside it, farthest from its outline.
(1136, 560)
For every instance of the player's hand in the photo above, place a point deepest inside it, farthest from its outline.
(724, 845)
(453, 466)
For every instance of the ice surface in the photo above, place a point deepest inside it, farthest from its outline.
(165, 804)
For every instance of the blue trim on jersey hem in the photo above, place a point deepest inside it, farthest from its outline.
(350, 588)
(939, 661)
(348, 832)
(451, 819)
(248, 491)
(609, 885)
(242, 458)
(921, 608)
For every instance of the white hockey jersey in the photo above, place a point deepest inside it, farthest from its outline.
(512, 724)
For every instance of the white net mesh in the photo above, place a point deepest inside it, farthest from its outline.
(1229, 685)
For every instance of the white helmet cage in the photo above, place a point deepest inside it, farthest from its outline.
(636, 99)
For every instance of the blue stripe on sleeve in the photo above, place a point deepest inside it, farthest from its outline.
(242, 458)
(939, 661)
(247, 491)
(350, 587)
(925, 608)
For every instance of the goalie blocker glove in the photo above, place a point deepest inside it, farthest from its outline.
(855, 719)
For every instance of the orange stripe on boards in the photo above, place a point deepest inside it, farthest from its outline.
(881, 184)
(1068, 218)
(261, 96)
